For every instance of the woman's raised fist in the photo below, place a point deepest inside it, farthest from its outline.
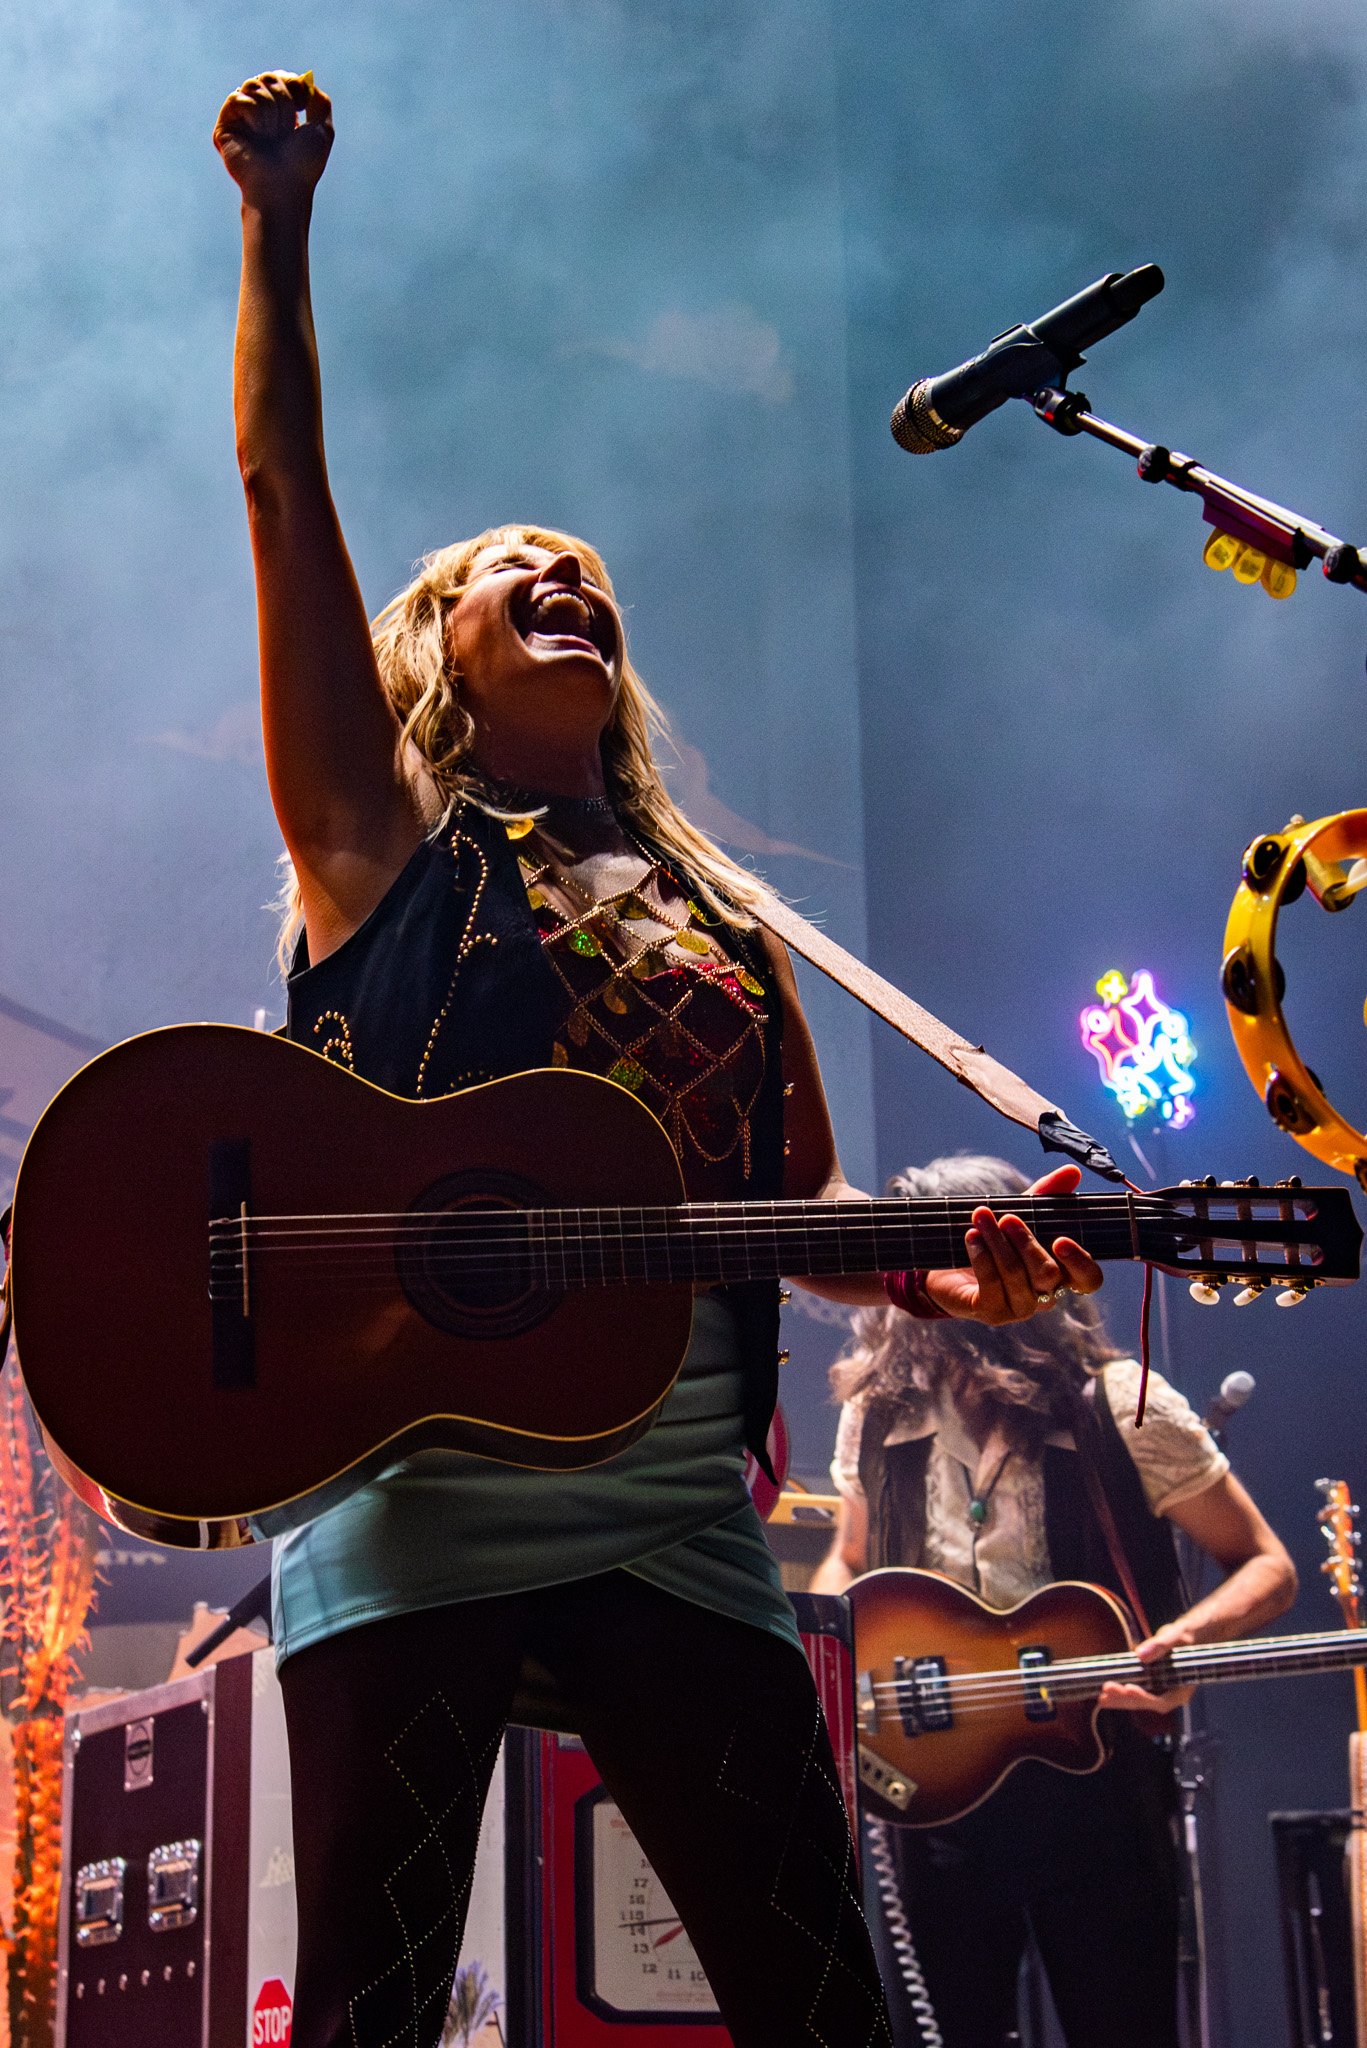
(268, 149)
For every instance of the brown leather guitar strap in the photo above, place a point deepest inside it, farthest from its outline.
(970, 1064)
(1085, 1430)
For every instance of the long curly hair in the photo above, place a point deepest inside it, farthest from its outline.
(1026, 1376)
(413, 655)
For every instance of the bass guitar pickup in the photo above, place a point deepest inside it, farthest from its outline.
(922, 1688)
(1039, 1700)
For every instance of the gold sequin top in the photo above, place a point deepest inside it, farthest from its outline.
(653, 1002)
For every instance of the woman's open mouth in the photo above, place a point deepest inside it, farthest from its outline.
(560, 621)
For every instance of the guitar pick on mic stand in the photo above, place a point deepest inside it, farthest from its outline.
(1261, 540)
(1259, 525)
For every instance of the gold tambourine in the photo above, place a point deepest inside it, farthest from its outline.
(1329, 857)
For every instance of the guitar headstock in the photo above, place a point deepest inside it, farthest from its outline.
(1338, 1525)
(1214, 1233)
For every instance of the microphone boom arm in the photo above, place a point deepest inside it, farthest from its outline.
(1259, 522)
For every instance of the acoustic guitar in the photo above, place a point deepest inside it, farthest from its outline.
(952, 1695)
(239, 1273)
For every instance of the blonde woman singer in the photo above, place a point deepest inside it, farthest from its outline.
(441, 940)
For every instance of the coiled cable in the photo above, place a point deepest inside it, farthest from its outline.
(899, 1933)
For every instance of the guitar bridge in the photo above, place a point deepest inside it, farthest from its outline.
(1039, 1702)
(233, 1335)
(923, 1694)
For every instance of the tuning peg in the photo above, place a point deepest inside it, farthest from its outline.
(1202, 1291)
(1292, 1297)
(1250, 1293)
(1292, 1181)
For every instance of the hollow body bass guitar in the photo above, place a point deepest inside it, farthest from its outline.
(239, 1273)
(952, 1695)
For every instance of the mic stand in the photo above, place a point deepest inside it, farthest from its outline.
(1200, 1973)
(255, 1605)
(1197, 1748)
(1274, 529)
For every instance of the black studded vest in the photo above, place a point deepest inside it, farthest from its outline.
(446, 984)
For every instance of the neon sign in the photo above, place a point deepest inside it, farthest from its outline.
(1143, 1048)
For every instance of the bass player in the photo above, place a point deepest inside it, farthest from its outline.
(957, 1452)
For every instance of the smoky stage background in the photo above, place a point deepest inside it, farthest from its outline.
(658, 275)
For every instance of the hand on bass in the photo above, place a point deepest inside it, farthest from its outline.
(1012, 1276)
(273, 155)
(1135, 1699)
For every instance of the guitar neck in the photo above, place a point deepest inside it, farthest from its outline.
(1197, 1664)
(735, 1241)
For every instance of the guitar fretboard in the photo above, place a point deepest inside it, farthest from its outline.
(562, 1248)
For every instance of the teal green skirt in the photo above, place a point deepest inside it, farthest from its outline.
(442, 1527)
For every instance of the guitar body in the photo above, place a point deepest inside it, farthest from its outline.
(240, 1275)
(176, 1417)
(915, 1772)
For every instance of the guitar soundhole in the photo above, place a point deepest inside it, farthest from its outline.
(471, 1273)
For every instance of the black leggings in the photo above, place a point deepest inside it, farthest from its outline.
(707, 1733)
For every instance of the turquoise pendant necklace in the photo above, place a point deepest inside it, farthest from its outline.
(977, 1506)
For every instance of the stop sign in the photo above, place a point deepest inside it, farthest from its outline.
(272, 2016)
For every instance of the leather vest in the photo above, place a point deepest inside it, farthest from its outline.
(445, 984)
(894, 1480)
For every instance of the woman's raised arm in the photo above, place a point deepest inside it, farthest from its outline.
(349, 809)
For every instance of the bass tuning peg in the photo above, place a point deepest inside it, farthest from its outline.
(1204, 1292)
(1292, 1297)
(1250, 1293)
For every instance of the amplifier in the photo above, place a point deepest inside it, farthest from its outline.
(1317, 1929)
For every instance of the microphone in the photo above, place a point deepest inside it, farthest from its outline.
(1235, 1389)
(938, 411)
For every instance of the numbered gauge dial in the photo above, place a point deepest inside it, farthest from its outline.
(635, 1962)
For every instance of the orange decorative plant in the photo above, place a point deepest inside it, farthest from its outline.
(48, 1546)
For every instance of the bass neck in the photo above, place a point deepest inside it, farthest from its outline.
(1082, 1678)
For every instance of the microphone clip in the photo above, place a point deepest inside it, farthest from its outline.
(1061, 409)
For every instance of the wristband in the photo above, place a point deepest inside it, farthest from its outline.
(908, 1291)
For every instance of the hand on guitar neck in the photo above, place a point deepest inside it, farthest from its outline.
(1012, 1274)
(1227, 1524)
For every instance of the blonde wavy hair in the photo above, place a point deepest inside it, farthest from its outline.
(1027, 1376)
(413, 655)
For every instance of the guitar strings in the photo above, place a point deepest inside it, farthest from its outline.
(1077, 1209)
(1082, 1678)
(1235, 1648)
